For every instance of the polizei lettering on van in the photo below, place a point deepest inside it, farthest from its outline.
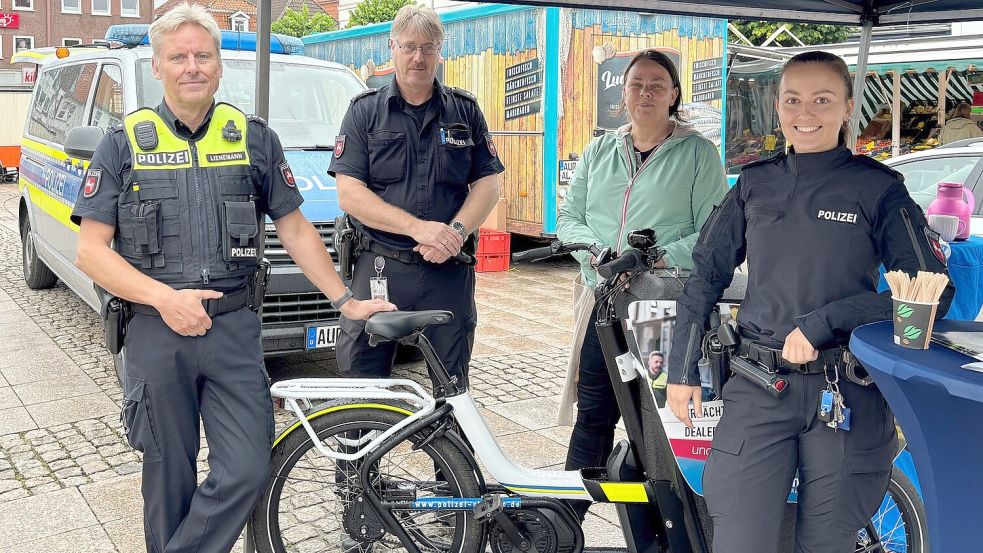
(163, 158)
(838, 216)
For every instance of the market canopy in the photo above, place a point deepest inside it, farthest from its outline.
(841, 12)
(865, 13)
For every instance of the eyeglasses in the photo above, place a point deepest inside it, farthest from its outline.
(428, 49)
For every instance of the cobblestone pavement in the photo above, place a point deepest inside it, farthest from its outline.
(70, 482)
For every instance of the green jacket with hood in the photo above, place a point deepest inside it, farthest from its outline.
(673, 192)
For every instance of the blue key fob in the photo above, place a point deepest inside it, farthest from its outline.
(845, 423)
(825, 413)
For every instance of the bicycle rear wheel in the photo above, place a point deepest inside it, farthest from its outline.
(314, 503)
(898, 526)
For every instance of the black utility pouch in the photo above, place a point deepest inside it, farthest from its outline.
(147, 233)
(116, 315)
(241, 228)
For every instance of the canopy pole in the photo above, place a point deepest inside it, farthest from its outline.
(860, 80)
(264, 12)
(896, 113)
(943, 93)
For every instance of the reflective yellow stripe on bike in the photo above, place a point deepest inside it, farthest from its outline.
(322, 412)
(625, 492)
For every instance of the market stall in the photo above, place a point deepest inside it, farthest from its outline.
(933, 75)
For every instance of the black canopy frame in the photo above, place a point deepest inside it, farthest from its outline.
(865, 14)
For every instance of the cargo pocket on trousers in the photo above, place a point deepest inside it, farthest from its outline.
(136, 420)
(721, 477)
(869, 471)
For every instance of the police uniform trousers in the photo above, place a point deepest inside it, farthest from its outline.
(170, 382)
(412, 287)
(761, 441)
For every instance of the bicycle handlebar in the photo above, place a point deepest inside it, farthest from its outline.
(535, 254)
(630, 260)
(556, 248)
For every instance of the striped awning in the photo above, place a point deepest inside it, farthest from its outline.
(915, 88)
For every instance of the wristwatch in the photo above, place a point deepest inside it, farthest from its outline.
(459, 227)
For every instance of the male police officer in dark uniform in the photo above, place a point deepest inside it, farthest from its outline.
(183, 189)
(417, 171)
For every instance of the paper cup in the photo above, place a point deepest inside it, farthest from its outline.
(946, 225)
(913, 321)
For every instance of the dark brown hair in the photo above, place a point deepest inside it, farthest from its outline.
(838, 66)
(962, 110)
(666, 63)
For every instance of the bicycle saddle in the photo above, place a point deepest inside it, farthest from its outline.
(393, 325)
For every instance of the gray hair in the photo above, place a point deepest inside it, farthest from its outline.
(184, 13)
(413, 17)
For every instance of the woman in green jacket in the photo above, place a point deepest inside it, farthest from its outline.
(656, 172)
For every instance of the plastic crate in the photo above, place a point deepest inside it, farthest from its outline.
(492, 262)
(493, 242)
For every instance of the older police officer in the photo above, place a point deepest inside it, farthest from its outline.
(183, 189)
(417, 171)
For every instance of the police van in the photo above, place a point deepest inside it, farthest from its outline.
(98, 85)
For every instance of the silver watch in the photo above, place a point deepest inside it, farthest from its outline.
(459, 227)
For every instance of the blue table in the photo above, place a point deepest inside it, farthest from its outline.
(940, 408)
(966, 271)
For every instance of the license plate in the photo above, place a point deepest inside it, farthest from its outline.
(322, 336)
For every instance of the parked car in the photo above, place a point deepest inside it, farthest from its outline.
(99, 85)
(960, 162)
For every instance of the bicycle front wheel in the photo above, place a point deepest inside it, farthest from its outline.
(898, 526)
(314, 503)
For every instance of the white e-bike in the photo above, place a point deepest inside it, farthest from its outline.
(382, 465)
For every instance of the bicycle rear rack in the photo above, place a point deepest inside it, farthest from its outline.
(305, 389)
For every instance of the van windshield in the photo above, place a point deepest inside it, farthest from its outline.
(307, 102)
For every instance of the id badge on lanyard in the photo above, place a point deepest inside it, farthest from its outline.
(379, 285)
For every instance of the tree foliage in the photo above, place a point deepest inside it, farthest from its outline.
(759, 31)
(302, 23)
(376, 11)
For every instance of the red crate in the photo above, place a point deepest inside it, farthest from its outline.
(491, 263)
(493, 242)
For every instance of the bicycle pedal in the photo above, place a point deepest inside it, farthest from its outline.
(489, 506)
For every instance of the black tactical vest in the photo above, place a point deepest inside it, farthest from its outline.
(188, 213)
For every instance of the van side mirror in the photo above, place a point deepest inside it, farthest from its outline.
(81, 142)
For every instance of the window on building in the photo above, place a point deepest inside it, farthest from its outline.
(71, 41)
(101, 7)
(23, 43)
(107, 110)
(129, 8)
(23, 4)
(71, 6)
(61, 96)
(240, 22)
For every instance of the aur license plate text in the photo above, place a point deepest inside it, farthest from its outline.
(322, 336)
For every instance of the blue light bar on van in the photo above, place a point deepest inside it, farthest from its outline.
(135, 35)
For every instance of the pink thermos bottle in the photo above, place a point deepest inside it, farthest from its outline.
(949, 201)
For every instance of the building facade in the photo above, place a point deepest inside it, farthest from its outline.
(26, 24)
(240, 15)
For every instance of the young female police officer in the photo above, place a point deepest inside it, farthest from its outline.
(813, 224)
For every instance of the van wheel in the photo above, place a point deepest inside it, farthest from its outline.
(37, 275)
(118, 361)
